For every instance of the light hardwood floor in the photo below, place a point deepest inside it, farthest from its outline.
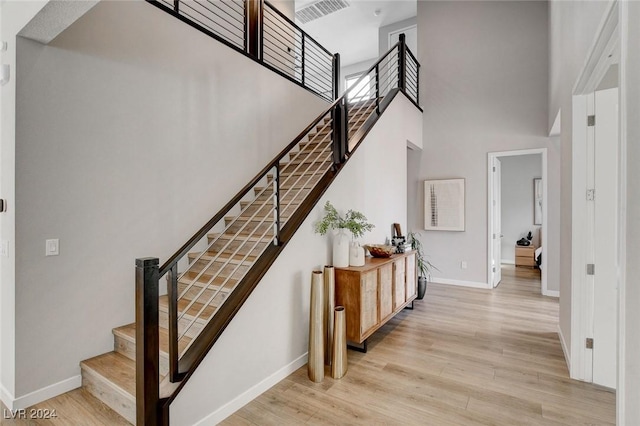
(461, 357)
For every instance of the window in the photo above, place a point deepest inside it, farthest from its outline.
(361, 91)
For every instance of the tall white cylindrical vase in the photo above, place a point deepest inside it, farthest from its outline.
(339, 350)
(329, 304)
(315, 366)
(341, 249)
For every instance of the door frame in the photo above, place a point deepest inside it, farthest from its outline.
(609, 44)
(490, 211)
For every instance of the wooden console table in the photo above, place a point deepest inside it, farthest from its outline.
(374, 293)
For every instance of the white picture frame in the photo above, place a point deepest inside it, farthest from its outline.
(444, 205)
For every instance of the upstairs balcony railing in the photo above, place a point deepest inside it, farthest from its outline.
(261, 32)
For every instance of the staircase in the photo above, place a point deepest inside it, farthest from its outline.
(214, 272)
(210, 277)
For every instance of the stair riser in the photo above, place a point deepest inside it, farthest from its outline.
(253, 228)
(193, 331)
(195, 289)
(128, 349)
(318, 168)
(118, 400)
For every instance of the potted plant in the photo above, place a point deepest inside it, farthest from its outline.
(424, 266)
(356, 223)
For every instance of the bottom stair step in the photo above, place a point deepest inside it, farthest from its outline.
(111, 378)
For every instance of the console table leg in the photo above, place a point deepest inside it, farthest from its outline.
(411, 308)
(362, 348)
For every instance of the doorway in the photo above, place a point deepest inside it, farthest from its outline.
(525, 188)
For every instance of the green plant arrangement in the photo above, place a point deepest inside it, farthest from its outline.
(424, 265)
(353, 221)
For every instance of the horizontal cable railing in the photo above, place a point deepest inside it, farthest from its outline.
(260, 31)
(213, 273)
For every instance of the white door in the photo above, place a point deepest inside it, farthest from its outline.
(605, 204)
(410, 36)
(496, 235)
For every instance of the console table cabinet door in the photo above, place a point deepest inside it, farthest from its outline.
(385, 290)
(399, 284)
(369, 301)
(411, 273)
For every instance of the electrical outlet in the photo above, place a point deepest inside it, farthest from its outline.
(4, 248)
(463, 264)
(52, 247)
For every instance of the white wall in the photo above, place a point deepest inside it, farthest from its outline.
(133, 129)
(483, 89)
(15, 15)
(270, 333)
(518, 173)
(572, 31)
(630, 294)
(383, 33)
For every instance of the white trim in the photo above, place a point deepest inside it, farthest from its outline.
(6, 397)
(563, 343)
(40, 395)
(552, 293)
(250, 394)
(622, 215)
(600, 56)
(599, 61)
(507, 262)
(461, 283)
(545, 204)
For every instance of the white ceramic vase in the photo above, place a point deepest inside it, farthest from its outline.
(341, 249)
(356, 254)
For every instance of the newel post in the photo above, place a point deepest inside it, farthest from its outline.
(336, 76)
(253, 31)
(147, 343)
(402, 64)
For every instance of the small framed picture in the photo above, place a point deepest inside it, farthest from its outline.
(444, 205)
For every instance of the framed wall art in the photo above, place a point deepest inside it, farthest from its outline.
(444, 205)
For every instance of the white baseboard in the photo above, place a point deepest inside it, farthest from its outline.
(551, 293)
(6, 397)
(241, 400)
(40, 395)
(461, 283)
(563, 343)
(507, 262)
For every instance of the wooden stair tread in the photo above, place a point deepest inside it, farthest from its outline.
(128, 332)
(189, 277)
(193, 310)
(222, 258)
(115, 368)
(246, 238)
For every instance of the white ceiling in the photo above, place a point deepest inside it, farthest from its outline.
(353, 32)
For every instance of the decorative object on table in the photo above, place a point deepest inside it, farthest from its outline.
(398, 240)
(380, 250)
(329, 304)
(423, 264)
(315, 366)
(444, 205)
(537, 201)
(353, 221)
(339, 352)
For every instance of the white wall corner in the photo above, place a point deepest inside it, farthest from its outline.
(507, 261)
(461, 283)
(241, 400)
(563, 343)
(7, 398)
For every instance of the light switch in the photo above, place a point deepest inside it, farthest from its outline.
(52, 247)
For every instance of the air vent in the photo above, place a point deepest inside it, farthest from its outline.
(319, 9)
